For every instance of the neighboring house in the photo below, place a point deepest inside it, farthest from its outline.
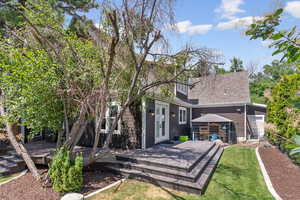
(217, 106)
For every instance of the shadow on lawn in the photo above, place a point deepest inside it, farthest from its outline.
(237, 195)
(229, 170)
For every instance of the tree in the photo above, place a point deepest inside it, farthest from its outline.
(271, 74)
(277, 69)
(85, 70)
(220, 70)
(283, 103)
(236, 65)
(12, 17)
(285, 42)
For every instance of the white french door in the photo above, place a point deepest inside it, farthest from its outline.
(161, 121)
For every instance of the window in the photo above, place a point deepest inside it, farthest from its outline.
(182, 88)
(182, 115)
(110, 116)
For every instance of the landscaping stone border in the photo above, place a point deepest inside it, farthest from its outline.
(266, 176)
(105, 188)
(16, 177)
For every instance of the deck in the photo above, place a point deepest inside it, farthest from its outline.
(42, 152)
(182, 155)
(185, 166)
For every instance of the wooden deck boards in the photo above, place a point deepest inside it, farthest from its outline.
(182, 155)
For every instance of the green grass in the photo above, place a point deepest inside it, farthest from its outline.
(5, 178)
(236, 177)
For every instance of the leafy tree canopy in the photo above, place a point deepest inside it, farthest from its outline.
(286, 42)
(236, 65)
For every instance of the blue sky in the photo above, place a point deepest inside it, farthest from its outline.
(220, 24)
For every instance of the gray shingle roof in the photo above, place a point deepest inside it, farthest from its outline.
(211, 118)
(223, 88)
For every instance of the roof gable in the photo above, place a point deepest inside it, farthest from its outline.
(219, 89)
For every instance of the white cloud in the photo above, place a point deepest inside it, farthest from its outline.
(189, 28)
(293, 8)
(229, 8)
(266, 43)
(237, 23)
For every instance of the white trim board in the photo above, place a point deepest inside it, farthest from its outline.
(266, 176)
(183, 116)
(105, 188)
(144, 124)
(16, 177)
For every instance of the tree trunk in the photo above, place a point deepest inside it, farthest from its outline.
(98, 130)
(21, 150)
(66, 121)
(60, 138)
(77, 130)
(19, 147)
(78, 136)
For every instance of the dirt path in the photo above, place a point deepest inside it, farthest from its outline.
(284, 174)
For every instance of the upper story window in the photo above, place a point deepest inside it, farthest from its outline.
(182, 115)
(182, 88)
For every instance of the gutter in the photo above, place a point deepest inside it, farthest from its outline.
(189, 105)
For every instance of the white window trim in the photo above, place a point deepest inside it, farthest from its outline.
(107, 116)
(179, 88)
(184, 117)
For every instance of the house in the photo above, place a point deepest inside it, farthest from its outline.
(217, 106)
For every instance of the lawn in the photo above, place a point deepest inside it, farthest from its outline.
(5, 178)
(236, 177)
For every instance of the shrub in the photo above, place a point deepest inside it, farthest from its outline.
(66, 173)
(281, 112)
(271, 132)
(284, 114)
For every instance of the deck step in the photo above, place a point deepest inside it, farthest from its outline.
(11, 163)
(177, 183)
(172, 173)
(147, 162)
(208, 172)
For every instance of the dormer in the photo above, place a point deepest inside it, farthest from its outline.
(182, 88)
(181, 91)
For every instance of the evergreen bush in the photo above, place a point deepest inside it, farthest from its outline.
(66, 173)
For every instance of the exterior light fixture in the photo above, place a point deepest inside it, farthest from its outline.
(151, 112)
(173, 114)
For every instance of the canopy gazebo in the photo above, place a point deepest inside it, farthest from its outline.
(210, 126)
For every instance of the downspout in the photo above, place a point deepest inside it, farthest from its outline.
(245, 122)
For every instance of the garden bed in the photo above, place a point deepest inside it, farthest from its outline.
(284, 174)
(27, 188)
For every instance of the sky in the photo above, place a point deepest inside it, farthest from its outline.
(220, 25)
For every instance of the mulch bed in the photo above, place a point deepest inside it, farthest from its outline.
(95, 179)
(284, 174)
(27, 188)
